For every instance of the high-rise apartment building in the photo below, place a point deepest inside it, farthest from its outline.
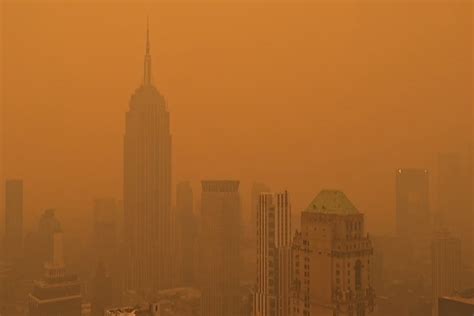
(272, 293)
(332, 259)
(147, 187)
(220, 248)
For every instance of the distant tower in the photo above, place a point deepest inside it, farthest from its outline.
(412, 202)
(13, 219)
(57, 294)
(147, 187)
(332, 259)
(105, 231)
(446, 266)
(220, 262)
(187, 230)
(48, 226)
(454, 206)
(272, 296)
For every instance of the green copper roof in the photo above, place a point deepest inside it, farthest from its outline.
(332, 202)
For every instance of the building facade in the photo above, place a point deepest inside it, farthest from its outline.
(332, 260)
(220, 248)
(446, 266)
(454, 200)
(58, 293)
(460, 304)
(272, 293)
(187, 232)
(13, 219)
(147, 187)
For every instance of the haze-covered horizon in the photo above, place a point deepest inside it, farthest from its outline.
(301, 96)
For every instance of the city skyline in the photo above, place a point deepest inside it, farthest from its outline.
(168, 208)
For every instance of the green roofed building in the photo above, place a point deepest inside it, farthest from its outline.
(332, 259)
(332, 202)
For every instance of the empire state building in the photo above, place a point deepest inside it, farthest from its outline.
(147, 187)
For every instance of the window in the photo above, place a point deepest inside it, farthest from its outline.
(358, 275)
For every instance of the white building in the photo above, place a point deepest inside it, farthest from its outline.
(272, 295)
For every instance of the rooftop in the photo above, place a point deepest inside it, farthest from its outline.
(332, 202)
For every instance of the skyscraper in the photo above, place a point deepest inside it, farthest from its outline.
(272, 295)
(332, 259)
(446, 266)
(147, 186)
(220, 261)
(187, 231)
(412, 202)
(256, 189)
(13, 219)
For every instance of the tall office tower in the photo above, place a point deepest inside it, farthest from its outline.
(454, 199)
(13, 219)
(332, 259)
(220, 249)
(187, 230)
(147, 187)
(255, 191)
(58, 293)
(105, 231)
(272, 295)
(446, 266)
(412, 202)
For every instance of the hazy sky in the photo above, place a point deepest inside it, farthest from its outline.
(301, 95)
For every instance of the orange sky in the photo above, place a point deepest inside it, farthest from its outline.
(300, 95)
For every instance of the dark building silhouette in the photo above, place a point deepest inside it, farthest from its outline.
(103, 293)
(147, 187)
(220, 248)
(460, 304)
(13, 219)
(57, 294)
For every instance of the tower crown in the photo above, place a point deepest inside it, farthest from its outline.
(332, 202)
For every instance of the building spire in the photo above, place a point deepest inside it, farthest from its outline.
(147, 64)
